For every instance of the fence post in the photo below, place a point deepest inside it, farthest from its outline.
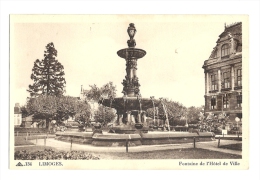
(17, 133)
(194, 142)
(218, 141)
(36, 140)
(44, 140)
(26, 136)
(70, 144)
(126, 145)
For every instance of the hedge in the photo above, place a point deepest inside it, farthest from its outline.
(31, 130)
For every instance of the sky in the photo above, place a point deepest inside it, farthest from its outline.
(87, 45)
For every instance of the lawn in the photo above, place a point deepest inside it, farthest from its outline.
(20, 141)
(34, 148)
(170, 154)
(161, 154)
(237, 147)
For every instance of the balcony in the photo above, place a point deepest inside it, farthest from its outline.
(213, 91)
(238, 87)
(225, 89)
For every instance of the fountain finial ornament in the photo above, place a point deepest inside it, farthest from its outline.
(131, 32)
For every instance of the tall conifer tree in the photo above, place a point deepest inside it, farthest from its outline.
(47, 75)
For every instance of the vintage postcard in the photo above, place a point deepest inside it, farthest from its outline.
(129, 92)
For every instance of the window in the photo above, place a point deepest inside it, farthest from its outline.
(225, 50)
(239, 77)
(239, 100)
(213, 102)
(225, 101)
(214, 82)
(226, 78)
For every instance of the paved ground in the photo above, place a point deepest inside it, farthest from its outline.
(211, 145)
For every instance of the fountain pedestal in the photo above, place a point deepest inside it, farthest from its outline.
(131, 107)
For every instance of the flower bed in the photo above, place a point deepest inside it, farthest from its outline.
(49, 154)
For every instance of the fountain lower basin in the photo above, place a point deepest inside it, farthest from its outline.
(137, 139)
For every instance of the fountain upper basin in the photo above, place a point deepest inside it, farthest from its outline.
(129, 103)
(132, 53)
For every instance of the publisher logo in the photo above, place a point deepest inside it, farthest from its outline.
(19, 164)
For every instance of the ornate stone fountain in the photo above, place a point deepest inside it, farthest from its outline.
(131, 108)
(131, 112)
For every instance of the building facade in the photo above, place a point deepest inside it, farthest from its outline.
(17, 115)
(93, 104)
(223, 76)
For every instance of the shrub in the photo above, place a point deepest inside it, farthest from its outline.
(71, 124)
(181, 128)
(178, 123)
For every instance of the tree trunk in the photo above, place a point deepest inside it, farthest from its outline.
(48, 123)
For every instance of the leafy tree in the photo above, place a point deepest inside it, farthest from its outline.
(24, 111)
(104, 115)
(83, 113)
(57, 108)
(194, 113)
(47, 74)
(95, 93)
(175, 111)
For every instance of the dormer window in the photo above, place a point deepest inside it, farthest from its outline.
(225, 50)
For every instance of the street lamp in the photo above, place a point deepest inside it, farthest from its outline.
(237, 120)
(186, 125)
